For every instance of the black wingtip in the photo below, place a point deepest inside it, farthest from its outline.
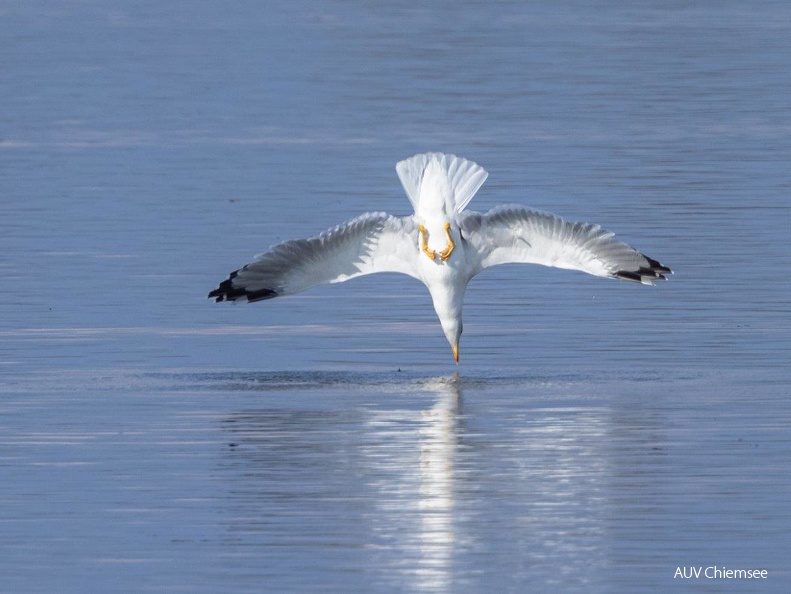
(627, 275)
(657, 266)
(227, 292)
(645, 274)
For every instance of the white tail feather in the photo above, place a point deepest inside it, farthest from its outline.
(465, 177)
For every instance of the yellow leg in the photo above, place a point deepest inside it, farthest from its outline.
(424, 243)
(445, 254)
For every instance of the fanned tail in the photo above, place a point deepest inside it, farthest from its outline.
(465, 176)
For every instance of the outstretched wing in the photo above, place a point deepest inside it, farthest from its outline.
(373, 242)
(515, 234)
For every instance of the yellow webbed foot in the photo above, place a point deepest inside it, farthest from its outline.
(445, 254)
(424, 243)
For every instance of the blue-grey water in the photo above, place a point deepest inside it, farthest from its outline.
(597, 435)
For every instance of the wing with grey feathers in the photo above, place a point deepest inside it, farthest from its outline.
(515, 234)
(373, 242)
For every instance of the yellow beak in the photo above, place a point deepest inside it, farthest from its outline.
(455, 349)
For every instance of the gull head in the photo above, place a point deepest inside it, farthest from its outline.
(452, 328)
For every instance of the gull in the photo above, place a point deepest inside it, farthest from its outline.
(441, 245)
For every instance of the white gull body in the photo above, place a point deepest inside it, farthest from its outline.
(441, 244)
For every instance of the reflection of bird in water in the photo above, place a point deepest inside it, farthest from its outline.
(440, 245)
(375, 492)
(436, 490)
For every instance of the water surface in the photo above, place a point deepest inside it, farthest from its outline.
(597, 435)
